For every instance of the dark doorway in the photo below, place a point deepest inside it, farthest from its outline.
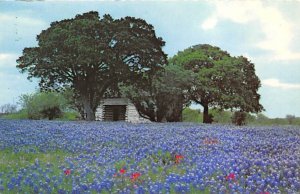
(114, 112)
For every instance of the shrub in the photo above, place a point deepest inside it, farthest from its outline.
(69, 116)
(43, 105)
(290, 118)
(239, 118)
(191, 115)
(221, 116)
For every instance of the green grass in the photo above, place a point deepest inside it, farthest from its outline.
(196, 116)
(10, 161)
(69, 116)
(224, 117)
(22, 114)
(120, 164)
(277, 121)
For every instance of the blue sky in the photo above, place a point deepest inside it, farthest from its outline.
(267, 33)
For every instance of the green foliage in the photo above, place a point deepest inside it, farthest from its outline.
(120, 164)
(250, 118)
(43, 105)
(73, 102)
(164, 97)
(296, 121)
(11, 162)
(220, 80)
(163, 158)
(261, 119)
(290, 118)
(225, 117)
(221, 116)
(22, 114)
(191, 115)
(91, 54)
(279, 121)
(69, 116)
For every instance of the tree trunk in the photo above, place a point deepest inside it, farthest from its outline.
(145, 112)
(174, 112)
(88, 111)
(206, 118)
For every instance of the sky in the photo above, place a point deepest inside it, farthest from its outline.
(266, 32)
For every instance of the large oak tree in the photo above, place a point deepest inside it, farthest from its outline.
(220, 80)
(89, 54)
(163, 97)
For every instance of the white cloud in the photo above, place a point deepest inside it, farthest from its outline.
(15, 27)
(275, 83)
(209, 23)
(278, 31)
(13, 83)
(7, 60)
(12, 86)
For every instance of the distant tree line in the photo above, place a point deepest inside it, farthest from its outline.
(227, 117)
(93, 58)
(8, 108)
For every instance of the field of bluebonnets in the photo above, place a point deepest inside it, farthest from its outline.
(96, 157)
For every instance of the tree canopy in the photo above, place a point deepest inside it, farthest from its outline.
(164, 97)
(90, 54)
(220, 80)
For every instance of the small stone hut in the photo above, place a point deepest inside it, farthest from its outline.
(118, 109)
